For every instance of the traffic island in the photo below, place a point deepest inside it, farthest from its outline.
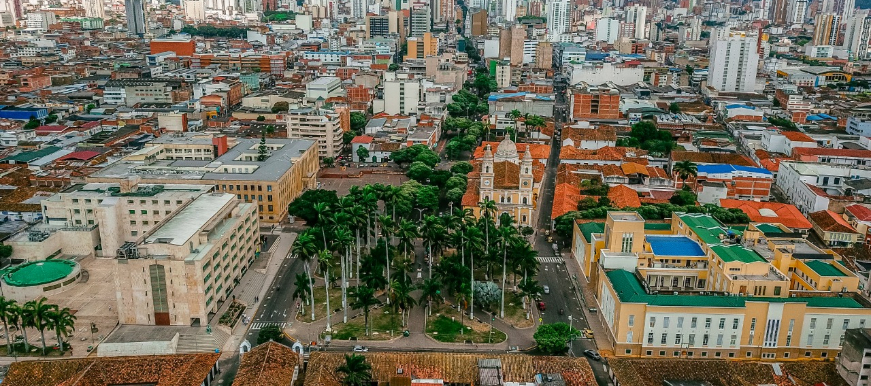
(446, 325)
(383, 325)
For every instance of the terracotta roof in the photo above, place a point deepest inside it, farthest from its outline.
(473, 193)
(861, 212)
(80, 155)
(831, 222)
(712, 158)
(602, 133)
(622, 196)
(769, 212)
(633, 168)
(771, 164)
(661, 194)
(159, 370)
(797, 136)
(609, 170)
(536, 150)
(818, 151)
(657, 172)
(651, 200)
(565, 199)
(763, 154)
(606, 153)
(363, 139)
(506, 175)
(269, 364)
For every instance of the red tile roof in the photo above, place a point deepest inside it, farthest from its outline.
(363, 139)
(831, 222)
(269, 364)
(537, 151)
(711, 158)
(51, 128)
(565, 199)
(83, 155)
(769, 212)
(861, 212)
(797, 136)
(622, 196)
(818, 151)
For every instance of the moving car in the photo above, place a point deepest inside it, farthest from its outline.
(361, 349)
(545, 289)
(541, 306)
(593, 354)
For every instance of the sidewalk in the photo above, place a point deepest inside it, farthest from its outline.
(596, 322)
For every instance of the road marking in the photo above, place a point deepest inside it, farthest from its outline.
(549, 259)
(259, 325)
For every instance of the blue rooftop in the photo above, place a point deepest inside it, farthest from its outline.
(723, 168)
(674, 246)
(740, 106)
(496, 97)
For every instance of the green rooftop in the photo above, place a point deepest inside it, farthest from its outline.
(27, 156)
(629, 290)
(38, 272)
(588, 228)
(657, 226)
(706, 227)
(768, 228)
(823, 268)
(730, 253)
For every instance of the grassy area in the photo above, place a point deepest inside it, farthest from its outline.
(515, 315)
(35, 350)
(321, 305)
(445, 325)
(381, 321)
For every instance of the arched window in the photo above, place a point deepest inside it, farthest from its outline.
(524, 200)
(487, 169)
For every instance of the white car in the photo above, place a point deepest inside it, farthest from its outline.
(360, 349)
(546, 289)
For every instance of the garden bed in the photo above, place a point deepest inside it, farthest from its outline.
(232, 315)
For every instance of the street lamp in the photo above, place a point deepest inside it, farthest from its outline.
(571, 337)
(420, 212)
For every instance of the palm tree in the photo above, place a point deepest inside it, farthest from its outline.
(40, 318)
(529, 290)
(515, 116)
(402, 299)
(359, 219)
(433, 233)
(6, 308)
(364, 297)
(684, 170)
(62, 321)
(357, 371)
(324, 260)
(431, 291)
(13, 317)
(407, 232)
(302, 290)
(386, 230)
(507, 235)
(26, 320)
(488, 210)
(323, 212)
(473, 240)
(343, 240)
(305, 249)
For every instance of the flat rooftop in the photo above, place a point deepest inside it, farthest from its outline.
(674, 246)
(825, 268)
(184, 225)
(625, 216)
(730, 253)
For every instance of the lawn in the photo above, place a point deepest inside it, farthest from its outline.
(445, 325)
(515, 315)
(321, 305)
(382, 322)
(35, 349)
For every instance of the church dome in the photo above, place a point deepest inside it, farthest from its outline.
(507, 151)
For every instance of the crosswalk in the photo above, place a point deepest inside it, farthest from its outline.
(259, 325)
(549, 259)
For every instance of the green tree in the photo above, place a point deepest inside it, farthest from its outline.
(427, 197)
(364, 297)
(260, 118)
(484, 84)
(466, 104)
(674, 108)
(301, 287)
(89, 107)
(430, 291)
(553, 338)
(280, 107)
(7, 310)
(303, 206)
(269, 333)
(39, 310)
(357, 372)
(31, 124)
(362, 153)
(487, 294)
(358, 121)
(392, 67)
(462, 168)
(535, 123)
(685, 169)
(262, 150)
(419, 171)
(683, 197)
(428, 157)
(51, 118)
(5, 251)
(689, 69)
(63, 322)
(329, 162)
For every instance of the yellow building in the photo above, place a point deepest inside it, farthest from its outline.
(422, 47)
(705, 291)
(511, 182)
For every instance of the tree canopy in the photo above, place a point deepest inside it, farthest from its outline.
(303, 206)
(554, 338)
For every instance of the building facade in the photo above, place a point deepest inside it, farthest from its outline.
(734, 60)
(317, 124)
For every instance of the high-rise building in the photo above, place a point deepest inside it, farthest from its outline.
(797, 13)
(135, 17)
(94, 8)
(402, 96)
(607, 30)
(857, 34)
(194, 10)
(826, 28)
(558, 19)
(377, 26)
(40, 20)
(733, 63)
(421, 22)
(544, 55)
(479, 23)
(358, 8)
(420, 48)
(317, 124)
(518, 38)
(637, 15)
(779, 11)
(509, 10)
(448, 11)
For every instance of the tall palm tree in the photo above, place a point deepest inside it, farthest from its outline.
(357, 371)
(402, 300)
(370, 205)
(507, 236)
(26, 320)
(6, 308)
(684, 170)
(40, 318)
(473, 240)
(301, 287)
(323, 213)
(63, 322)
(387, 225)
(407, 231)
(325, 261)
(13, 317)
(488, 210)
(305, 249)
(515, 116)
(529, 290)
(359, 219)
(434, 234)
(343, 242)
(430, 291)
(364, 297)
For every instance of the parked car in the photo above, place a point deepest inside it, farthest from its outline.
(541, 306)
(593, 354)
(588, 333)
(361, 349)
(545, 289)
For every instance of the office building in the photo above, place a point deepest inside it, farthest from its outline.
(94, 8)
(733, 63)
(40, 20)
(359, 8)
(135, 17)
(421, 22)
(558, 19)
(317, 124)
(857, 34)
(797, 13)
(779, 11)
(607, 30)
(194, 10)
(420, 48)
(637, 15)
(826, 29)
(402, 96)
(377, 26)
(479, 23)
(544, 55)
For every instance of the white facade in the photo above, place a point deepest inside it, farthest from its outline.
(323, 87)
(637, 14)
(596, 74)
(194, 10)
(529, 48)
(797, 12)
(857, 34)
(607, 30)
(94, 8)
(40, 20)
(402, 96)
(733, 63)
(558, 19)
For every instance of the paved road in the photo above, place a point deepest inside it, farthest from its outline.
(278, 305)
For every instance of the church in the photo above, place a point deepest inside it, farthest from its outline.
(508, 179)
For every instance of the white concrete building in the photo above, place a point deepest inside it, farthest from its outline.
(857, 35)
(321, 125)
(402, 96)
(607, 30)
(637, 15)
(796, 180)
(40, 20)
(599, 73)
(558, 19)
(733, 63)
(323, 87)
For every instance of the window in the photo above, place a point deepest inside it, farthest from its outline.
(268, 188)
(807, 353)
(719, 339)
(652, 321)
(824, 354)
(813, 322)
(649, 338)
(753, 324)
(631, 320)
(629, 337)
(693, 322)
(707, 322)
(680, 322)
(143, 211)
(627, 243)
(733, 339)
(777, 291)
(692, 341)
(665, 322)
(791, 324)
(704, 353)
(663, 339)
(134, 233)
(132, 222)
(846, 324)
(722, 323)
(705, 340)
(662, 353)
(676, 353)
(734, 324)
(649, 352)
(786, 355)
(628, 351)
(132, 211)
(677, 338)
(810, 339)
(788, 340)
(826, 340)
(829, 323)
(75, 201)
(717, 354)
